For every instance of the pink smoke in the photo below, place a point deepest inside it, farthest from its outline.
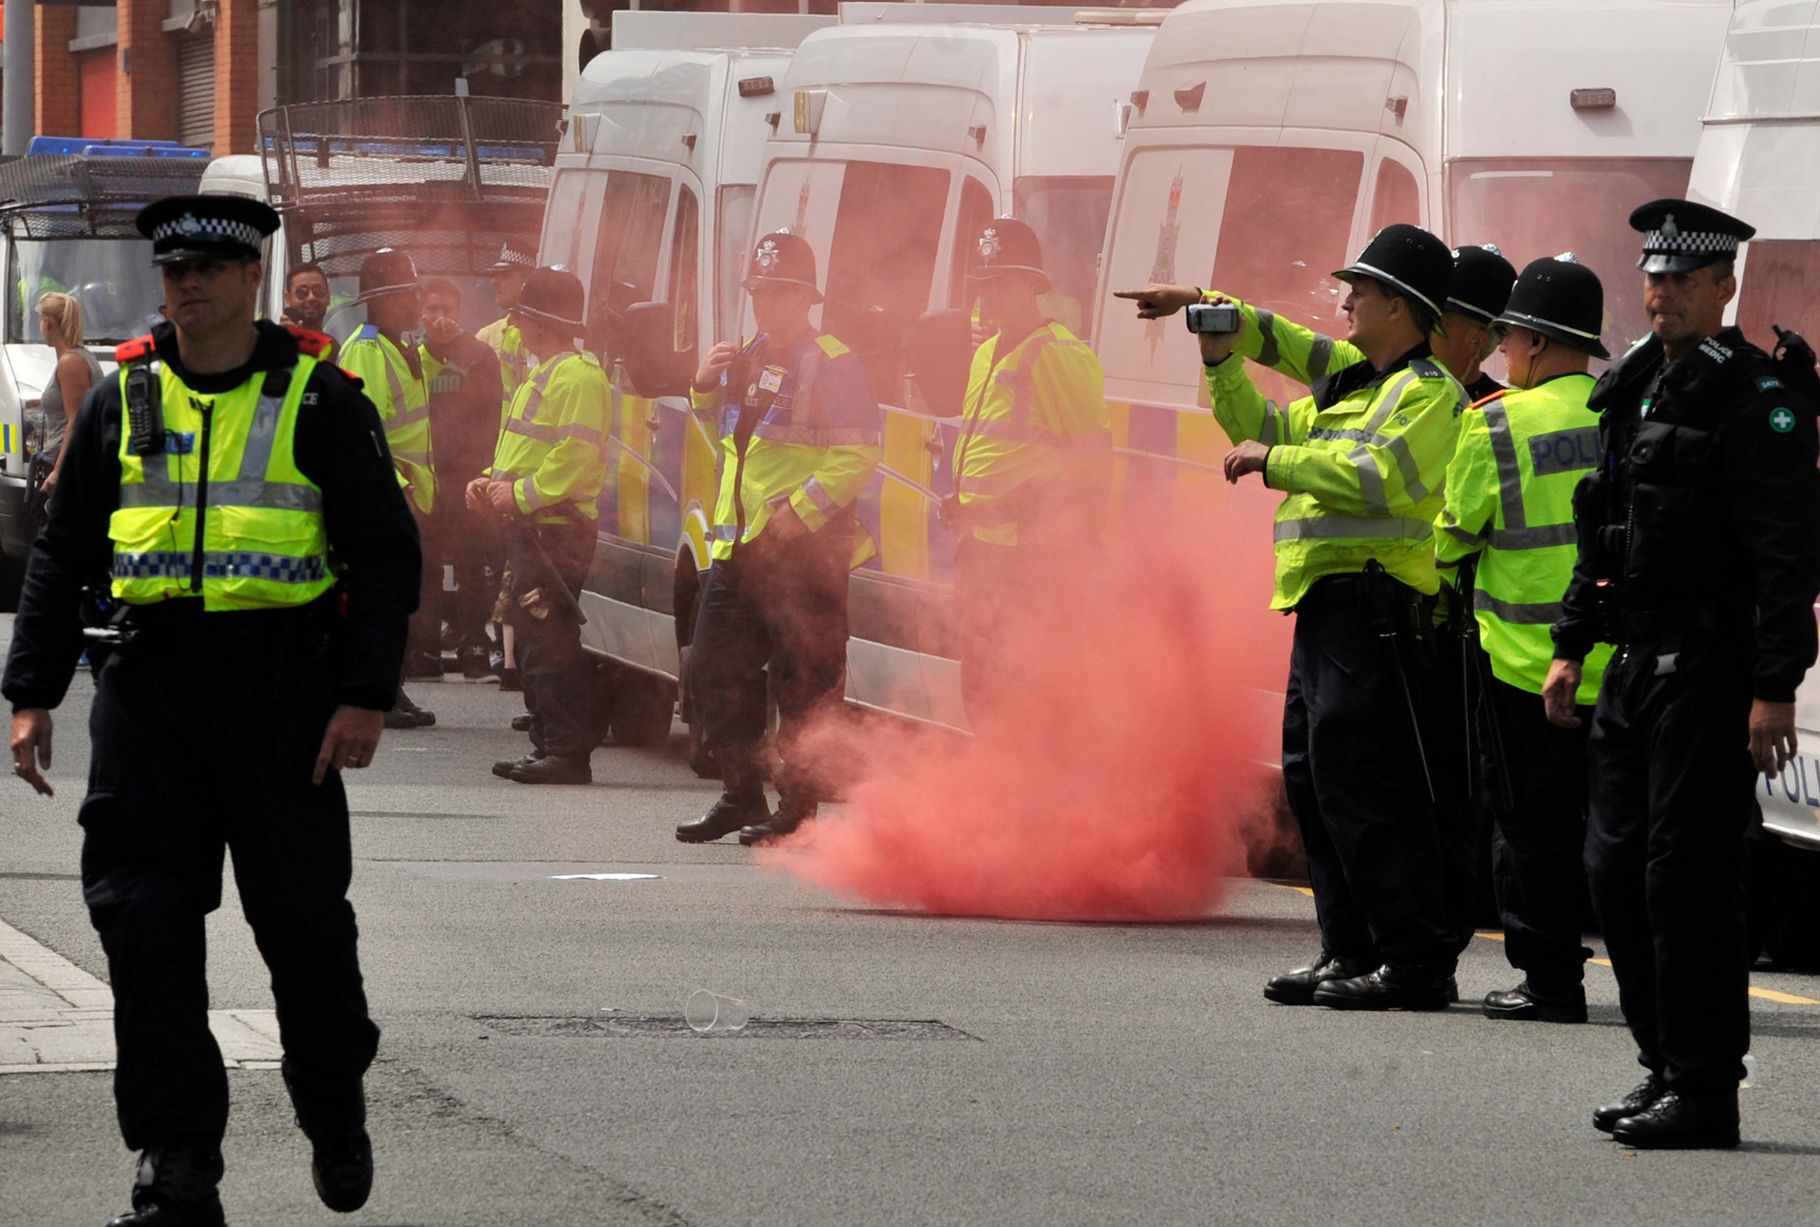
(1126, 779)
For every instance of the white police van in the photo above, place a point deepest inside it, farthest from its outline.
(66, 214)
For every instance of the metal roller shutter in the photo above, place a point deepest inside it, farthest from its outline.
(196, 90)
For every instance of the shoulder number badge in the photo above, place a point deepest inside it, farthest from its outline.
(1781, 420)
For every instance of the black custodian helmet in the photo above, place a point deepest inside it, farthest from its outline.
(555, 298)
(1481, 283)
(386, 271)
(1009, 247)
(782, 258)
(1560, 298)
(1410, 261)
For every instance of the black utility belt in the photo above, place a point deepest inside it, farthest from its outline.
(1659, 625)
(1389, 603)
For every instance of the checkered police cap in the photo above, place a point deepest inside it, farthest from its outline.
(1679, 235)
(214, 226)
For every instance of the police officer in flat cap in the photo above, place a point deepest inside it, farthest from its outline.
(1505, 535)
(1699, 558)
(238, 488)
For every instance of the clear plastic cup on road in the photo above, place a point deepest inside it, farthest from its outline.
(711, 1013)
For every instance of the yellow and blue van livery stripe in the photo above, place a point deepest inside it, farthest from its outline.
(6, 439)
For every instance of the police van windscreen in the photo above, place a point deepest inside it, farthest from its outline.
(1531, 207)
(1069, 217)
(113, 279)
(1776, 289)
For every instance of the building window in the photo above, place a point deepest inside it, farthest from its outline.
(372, 48)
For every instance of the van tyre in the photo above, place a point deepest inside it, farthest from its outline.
(641, 708)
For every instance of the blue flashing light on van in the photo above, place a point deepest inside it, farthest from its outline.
(88, 146)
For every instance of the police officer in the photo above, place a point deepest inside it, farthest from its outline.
(1509, 513)
(391, 370)
(1699, 558)
(1032, 465)
(516, 260)
(262, 556)
(1469, 332)
(800, 436)
(544, 485)
(1362, 461)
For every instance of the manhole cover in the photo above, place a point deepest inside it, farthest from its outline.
(618, 1026)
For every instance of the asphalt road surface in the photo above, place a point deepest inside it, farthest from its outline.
(535, 1071)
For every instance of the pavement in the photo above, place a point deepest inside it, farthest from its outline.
(899, 1069)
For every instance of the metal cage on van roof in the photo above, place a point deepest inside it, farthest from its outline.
(446, 179)
(88, 195)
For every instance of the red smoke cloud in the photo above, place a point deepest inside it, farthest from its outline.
(1124, 778)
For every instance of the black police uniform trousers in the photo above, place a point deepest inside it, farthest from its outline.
(560, 687)
(1672, 798)
(1006, 628)
(1354, 777)
(776, 612)
(1539, 838)
(204, 732)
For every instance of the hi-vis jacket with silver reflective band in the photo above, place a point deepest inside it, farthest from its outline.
(1292, 349)
(1034, 456)
(403, 401)
(554, 445)
(1510, 500)
(817, 439)
(1363, 460)
(263, 543)
(514, 362)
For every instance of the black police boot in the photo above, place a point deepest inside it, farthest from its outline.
(1641, 1096)
(521, 723)
(175, 1187)
(790, 815)
(733, 812)
(506, 766)
(1389, 988)
(1525, 1001)
(1297, 987)
(423, 667)
(554, 769)
(341, 1154)
(405, 714)
(1680, 1120)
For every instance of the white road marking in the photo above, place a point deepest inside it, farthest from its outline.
(55, 1017)
(606, 877)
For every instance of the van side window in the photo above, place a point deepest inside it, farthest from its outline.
(881, 263)
(685, 255)
(1286, 267)
(625, 255)
(976, 211)
(733, 242)
(1395, 197)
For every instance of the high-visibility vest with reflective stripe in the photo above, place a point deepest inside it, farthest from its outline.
(554, 445)
(263, 544)
(1363, 475)
(1286, 346)
(1034, 456)
(1510, 500)
(403, 401)
(515, 363)
(806, 450)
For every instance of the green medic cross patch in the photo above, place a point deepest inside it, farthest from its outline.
(1781, 420)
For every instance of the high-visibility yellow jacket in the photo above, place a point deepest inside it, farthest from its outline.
(1363, 466)
(1034, 456)
(263, 542)
(1287, 347)
(514, 360)
(403, 399)
(805, 431)
(1509, 501)
(554, 445)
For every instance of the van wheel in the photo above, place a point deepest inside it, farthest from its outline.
(641, 708)
(1783, 882)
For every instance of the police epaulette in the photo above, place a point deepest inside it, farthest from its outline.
(351, 377)
(311, 344)
(1425, 369)
(1500, 394)
(136, 350)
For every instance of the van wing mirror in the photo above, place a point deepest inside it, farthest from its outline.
(938, 358)
(647, 350)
